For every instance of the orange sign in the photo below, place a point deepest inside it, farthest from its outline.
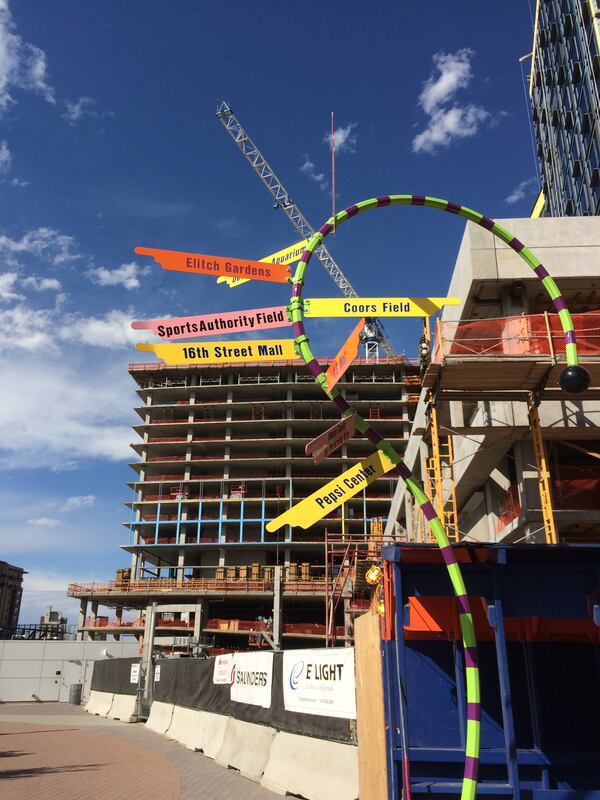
(217, 265)
(345, 357)
(328, 442)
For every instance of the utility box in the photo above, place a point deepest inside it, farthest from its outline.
(536, 612)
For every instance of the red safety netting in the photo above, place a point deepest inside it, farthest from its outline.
(576, 487)
(527, 335)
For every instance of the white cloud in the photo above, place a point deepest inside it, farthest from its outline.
(309, 169)
(19, 183)
(22, 65)
(46, 243)
(5, 158)
(8, 281)
(44, 522)
(521, 191)
(448, 120)
(80, 414)
(113, 330)
(24, 328)
(344, 139)
(41, 284)
(76, 110)
(127, 275)
(80, 501)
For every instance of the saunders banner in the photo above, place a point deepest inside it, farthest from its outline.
(320, 682)
(252, 679)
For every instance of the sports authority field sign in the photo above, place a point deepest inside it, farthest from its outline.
(255, 319)
(333, 494)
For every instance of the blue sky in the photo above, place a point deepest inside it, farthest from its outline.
(108, 140)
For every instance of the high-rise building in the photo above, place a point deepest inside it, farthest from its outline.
(221, 452)
(11, 580)
(564, 90)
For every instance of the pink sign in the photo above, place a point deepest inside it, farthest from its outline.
(256, 319)
(328, 442)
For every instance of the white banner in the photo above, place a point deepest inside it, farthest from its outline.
(223, 668)
(252, 679)
(320, 682)
(134, 673)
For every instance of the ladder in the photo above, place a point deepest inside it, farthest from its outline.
(542, 470)
(439, 479)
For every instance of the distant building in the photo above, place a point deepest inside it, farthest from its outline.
(53, 618)
(11, 580)
(565, 75)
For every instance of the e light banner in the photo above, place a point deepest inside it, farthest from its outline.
(320, 682)
(252, 679)
(223, 669)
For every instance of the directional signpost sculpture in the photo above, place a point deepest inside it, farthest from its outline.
(573, 379)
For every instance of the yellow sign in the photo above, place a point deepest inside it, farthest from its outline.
(332, 495)
(285, 256)
(223, 352)
(376, 306)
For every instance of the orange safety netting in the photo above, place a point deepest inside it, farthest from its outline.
(576, 488)
(527, 335)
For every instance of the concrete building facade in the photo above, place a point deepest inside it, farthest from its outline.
(221, 452)
(495, 361)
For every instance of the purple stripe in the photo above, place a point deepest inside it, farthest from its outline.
(404, 471)
(314, 367)
(570, 337)
(471, 767)
(383, 201)
(559, 303)
(448, 554)
(462, 601)
(474, 712)
(453, 208)
(351, 211)
(418, 200)
(541, 271)
(296, 290)
(306, 256)
(373, 436)
(298, 329)
(487, 223)
(326, 229)
(428, 510)
(341, 402)
(516, 245)
(471, 657)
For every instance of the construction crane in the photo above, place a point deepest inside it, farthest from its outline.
(374, 333)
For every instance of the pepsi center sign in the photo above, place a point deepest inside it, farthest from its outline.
(320, 682)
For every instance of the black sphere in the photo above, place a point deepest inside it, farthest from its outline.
(574, 380)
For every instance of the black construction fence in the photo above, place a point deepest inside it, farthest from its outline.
(188, 682)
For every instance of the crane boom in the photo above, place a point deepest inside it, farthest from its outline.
(283, 201)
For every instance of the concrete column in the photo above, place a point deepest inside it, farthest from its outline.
(200, 614)
(180, 565)
(277, 607)
(348, 624)
(222, 556)
(148, 646)
(81, 621)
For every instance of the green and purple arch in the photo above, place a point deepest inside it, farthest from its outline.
(573, 379)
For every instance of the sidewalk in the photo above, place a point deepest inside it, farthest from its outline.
(55, 751)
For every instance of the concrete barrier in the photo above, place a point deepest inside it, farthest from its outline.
(99, 703)
(123, 708)
(187, 728)
(214, 729)
(161, 715)
(246, 747)
(314, 768)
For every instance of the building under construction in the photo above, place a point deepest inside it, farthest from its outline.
(221, 452)
(504, 454)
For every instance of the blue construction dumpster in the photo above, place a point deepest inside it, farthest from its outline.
(537, 614)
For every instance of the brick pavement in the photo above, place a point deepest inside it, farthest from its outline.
(55, 751)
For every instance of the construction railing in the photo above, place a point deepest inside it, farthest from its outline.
(527, 335)
(194, 586)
